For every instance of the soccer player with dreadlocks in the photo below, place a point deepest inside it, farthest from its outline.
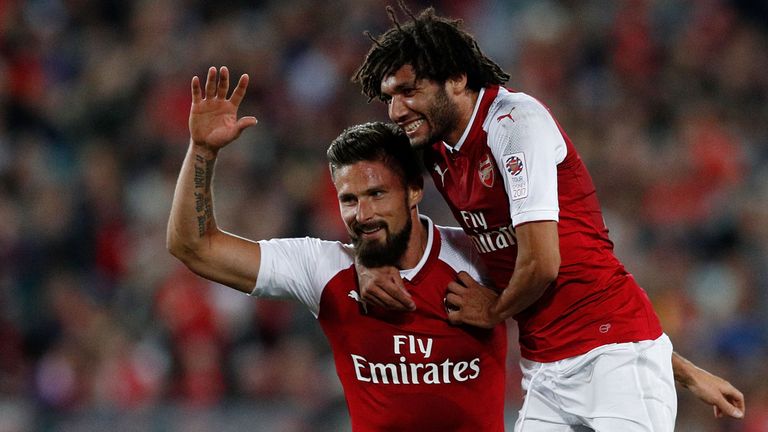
(593, 351)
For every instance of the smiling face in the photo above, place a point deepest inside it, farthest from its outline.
(378, 210)
(423, 108)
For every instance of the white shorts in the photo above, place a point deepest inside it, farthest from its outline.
(618, 387)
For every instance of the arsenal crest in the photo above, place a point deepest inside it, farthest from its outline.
(485, 171)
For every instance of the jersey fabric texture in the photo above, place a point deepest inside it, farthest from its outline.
(400, 371)
(514, 165)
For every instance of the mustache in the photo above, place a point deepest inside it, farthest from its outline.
(360, 228)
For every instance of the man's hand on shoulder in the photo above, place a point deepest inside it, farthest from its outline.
(469, 302)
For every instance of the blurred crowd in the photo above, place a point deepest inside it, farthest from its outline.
(101, 329)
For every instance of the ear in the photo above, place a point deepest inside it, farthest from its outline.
(415, 195)
(456, 85)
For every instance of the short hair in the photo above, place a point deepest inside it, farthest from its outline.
(377, 141)
(436, 47)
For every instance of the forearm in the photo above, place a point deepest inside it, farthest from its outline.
(536, 267)
(527, 285)
(192, 221)
(682, 369)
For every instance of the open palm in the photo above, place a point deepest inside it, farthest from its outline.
(213, 121)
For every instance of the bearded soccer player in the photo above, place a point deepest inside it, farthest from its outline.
(594, 354)
(403, 373)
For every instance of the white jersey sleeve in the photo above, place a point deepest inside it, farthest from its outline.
(527, 146)
(458, 252)
(300, 268)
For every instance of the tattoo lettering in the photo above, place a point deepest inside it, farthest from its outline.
(203, 201)
(201, 224)
(199, 202)
(199, 172)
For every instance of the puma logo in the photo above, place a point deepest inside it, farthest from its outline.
(509, 114)
(442, 173)
(356, 297)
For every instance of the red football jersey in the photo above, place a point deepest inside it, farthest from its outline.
(513, 165)
(400, 371)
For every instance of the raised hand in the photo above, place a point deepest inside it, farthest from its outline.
(213, 121)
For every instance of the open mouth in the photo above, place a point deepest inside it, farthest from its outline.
(369, 230)
(412, 126)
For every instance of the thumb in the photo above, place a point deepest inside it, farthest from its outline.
(722, 405)
(246, 122)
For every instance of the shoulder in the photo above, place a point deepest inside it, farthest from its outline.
(308, 250)
(458, 251)
(453, 239)
(513, 109)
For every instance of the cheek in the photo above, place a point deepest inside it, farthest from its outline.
(347, 215)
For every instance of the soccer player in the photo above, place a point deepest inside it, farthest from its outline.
(593, 349)
(404, 373)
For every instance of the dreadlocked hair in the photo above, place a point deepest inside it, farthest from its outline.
(436, 47)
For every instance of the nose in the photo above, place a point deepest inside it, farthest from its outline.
(364, 210)
(397, 109)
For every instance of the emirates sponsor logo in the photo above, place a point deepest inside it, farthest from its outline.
(491, 241)
(485, 240)
(443, 371)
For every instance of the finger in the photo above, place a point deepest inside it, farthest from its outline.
(456, 288)
(239, 93)
(723, 406)
(453, 302)
(733, 403)
(246, 122)
(396, 290)
(373, 301)
(454, 317)
(197, 92)
(736, 398)
(383, 299)
(210, 83)
(733, 411)
(402, 296)
(223, 87)
(466, 279)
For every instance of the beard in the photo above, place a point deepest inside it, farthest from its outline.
(373, 253)
(442, 117)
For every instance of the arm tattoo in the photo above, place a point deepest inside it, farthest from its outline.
(203, 201)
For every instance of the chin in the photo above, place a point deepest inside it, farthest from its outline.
(419, 143)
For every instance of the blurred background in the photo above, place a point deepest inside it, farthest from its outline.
(101, 329)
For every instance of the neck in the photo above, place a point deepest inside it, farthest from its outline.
(417, 243)
(465, 105)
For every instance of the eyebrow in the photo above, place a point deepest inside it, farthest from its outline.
(403, 86)
(366, 192)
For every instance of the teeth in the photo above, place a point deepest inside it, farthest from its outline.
(410, 127)
(369, 229)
